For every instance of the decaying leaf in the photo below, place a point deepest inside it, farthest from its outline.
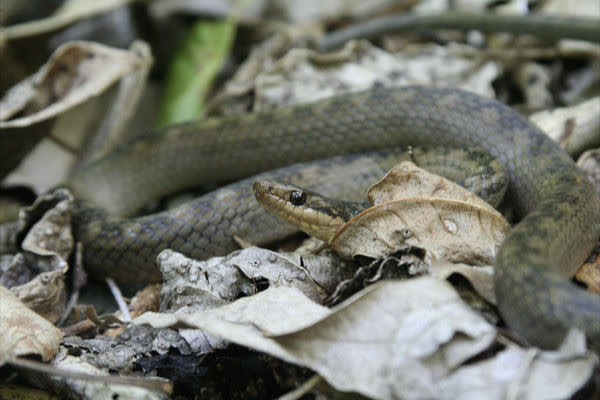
(51, 236)
(414, 208)
(327, 269)
(403, 264)
(481, 277)
(191, 285)
(303, 75)
(75, 72)
(393, 340)
(23, 332)
(406, 180)
(45, 294)
(126, 103)
(16, 270)
(46, 247)
(449, 230)
(576, 128)
(520, 373)
(120, 352)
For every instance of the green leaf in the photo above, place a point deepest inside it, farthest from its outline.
(193, 70)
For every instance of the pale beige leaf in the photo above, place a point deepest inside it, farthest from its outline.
(375, 343)
(45, 294)
(51, 235)
(480, 277)
(275, 310)
(448, 230)
(46, 247)
(575, 128)
(23, 332)
(406, 180)
(518, 373)
(396, 339)
(75, 72)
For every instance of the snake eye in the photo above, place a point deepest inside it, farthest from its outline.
(297, 197)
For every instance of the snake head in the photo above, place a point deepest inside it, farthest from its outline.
(317, 215)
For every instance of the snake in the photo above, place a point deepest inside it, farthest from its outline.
(558, 207)
(322, 217)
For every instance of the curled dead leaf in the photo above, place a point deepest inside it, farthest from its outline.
(192, 285)
(406, 180)
(75, 72)
(448, 229)
(23, 332)
(45, 294)
(51, 236)
(481, 278)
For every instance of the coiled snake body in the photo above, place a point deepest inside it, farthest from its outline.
(561, 210)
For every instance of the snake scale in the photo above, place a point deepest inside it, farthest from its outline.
(559, 208)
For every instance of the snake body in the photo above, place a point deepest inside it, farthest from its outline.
(560, 207)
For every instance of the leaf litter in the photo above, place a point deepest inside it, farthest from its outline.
(411, 339)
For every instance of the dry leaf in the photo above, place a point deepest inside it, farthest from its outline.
(256, 264)
(480, 277)
(45, 294)
(367, 344)
(517, 373)
(405, 263)
(406, 180)
(75, 72)
(23, 332)
(414, 208)
(274, 310)
(576, 128)
(393, 340)
(46, 246)
(191, 285)
(326, 268)
(449, 230)
(51, 236)
(303, 75)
